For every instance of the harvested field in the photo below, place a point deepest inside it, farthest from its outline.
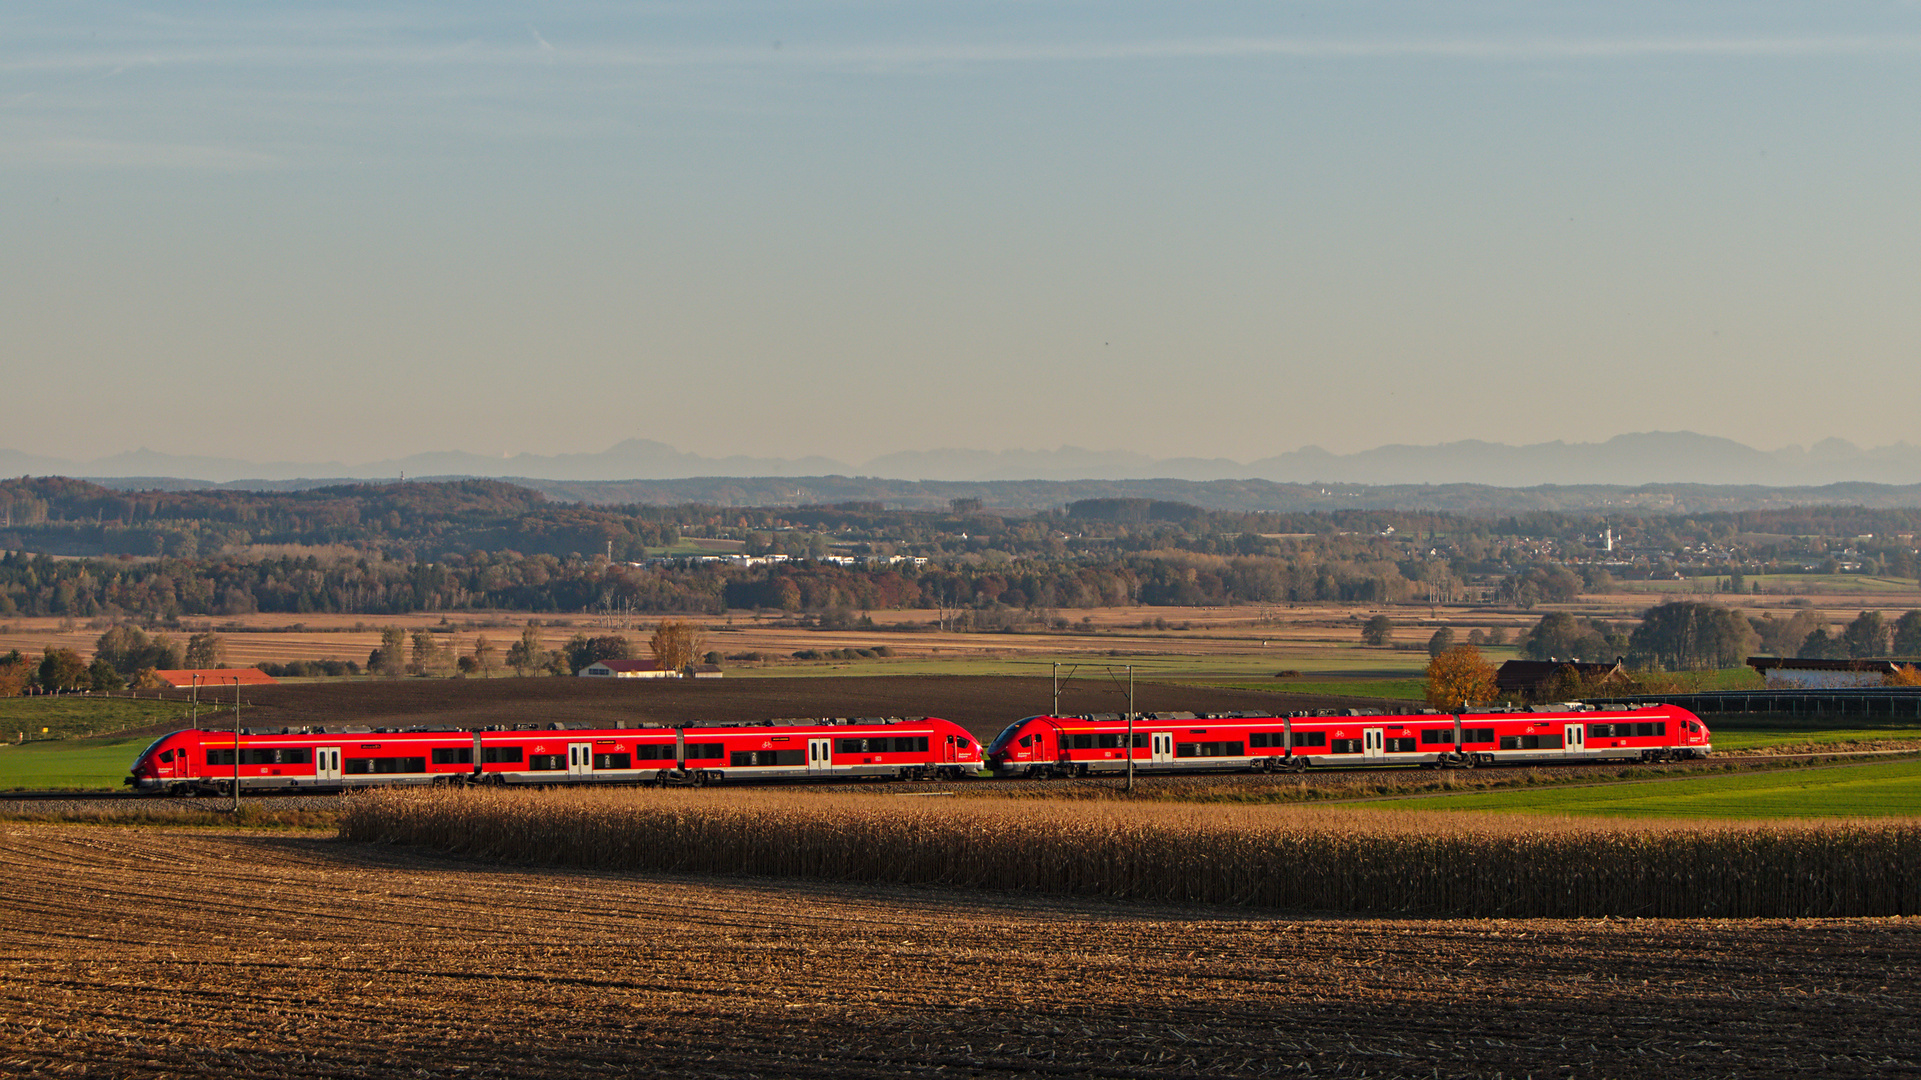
(1275, 857)
(138, 952)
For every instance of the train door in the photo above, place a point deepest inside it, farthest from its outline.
(1575, 741)
(580, 759)
(1373, 746)
(326, 763)
(1161, 747)
(820, 756)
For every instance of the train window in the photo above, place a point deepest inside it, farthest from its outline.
(497, 754)
(1400, 746)
(1317, 738)
(220, 757)
(767, 757)
(166, 755)
(1651, 729)
(1140, 740)
(1530, 742)
(850, 746)
(1477, 735)
(540, 763)
(613, 761)
(1692, 726)
(453, 755)
(1442, 736)
(1209, 749)
(374, 766)
(1080, 742)
(1344, 746)
(1027, 740)
(910, 744)
(1107, 742)
(655, 752)
(1600, 731)
(706, 750)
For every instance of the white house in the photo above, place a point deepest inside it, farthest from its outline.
(625, 669)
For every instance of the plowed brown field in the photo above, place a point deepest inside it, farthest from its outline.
(153, 952)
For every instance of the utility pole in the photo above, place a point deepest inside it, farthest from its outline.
(236, 744)
(1057, 689)
(193, 696)
(1130, 727)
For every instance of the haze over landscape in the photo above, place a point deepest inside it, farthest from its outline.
(1299, 242)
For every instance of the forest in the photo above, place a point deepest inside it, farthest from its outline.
(80, 549)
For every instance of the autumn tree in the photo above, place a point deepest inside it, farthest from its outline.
(205, 650)
(1903, 675)
(62, 669)
(525, 655)
(15, 671)
(676, 644)
(484, 656)
(1378, 630)
(1907, 635)
(1867, 635)
(1442, 641)
(1458, 678)
(390, 659)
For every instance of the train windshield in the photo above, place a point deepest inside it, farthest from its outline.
(151, 747)
(1006, 736)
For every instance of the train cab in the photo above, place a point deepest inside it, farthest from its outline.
(165, 765)
(1028, 746)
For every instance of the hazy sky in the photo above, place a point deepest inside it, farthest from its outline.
(356, 230)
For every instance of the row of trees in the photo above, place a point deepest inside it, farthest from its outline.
(1692, 635)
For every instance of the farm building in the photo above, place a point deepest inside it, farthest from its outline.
(1788, 673)
(625, 669)
(186, 678)
(1537, 678)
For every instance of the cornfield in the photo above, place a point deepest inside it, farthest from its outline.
(1292, 858)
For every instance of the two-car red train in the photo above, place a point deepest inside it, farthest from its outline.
(926, 748)
(1199, 742)
(333, 759)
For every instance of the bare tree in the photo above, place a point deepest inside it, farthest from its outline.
(676, 644)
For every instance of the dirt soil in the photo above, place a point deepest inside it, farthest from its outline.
(143, 952)
(982, 704)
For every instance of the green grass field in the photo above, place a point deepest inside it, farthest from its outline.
(1732, 738)
(69, 716)
(1781, 583)
(1880, 789)
(84, 764)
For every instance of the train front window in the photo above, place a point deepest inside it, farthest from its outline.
(1006, 736)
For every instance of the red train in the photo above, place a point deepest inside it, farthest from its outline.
(926, 748)
(1042, 746)
(322, 759)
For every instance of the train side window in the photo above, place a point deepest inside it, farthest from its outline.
(220, 757)
(453, 755)
(542, 763)
(1600, 731)
(1399, 746)
(1477, 735)
(613, 761)
(1431, 736)
(1344, 746)
(1510, 742)
(1319, 738)
(1027, 740)
(166, 755)
(498, 754)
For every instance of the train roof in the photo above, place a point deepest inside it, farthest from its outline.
(697, 725)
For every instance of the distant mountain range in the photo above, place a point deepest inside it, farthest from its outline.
(1657, 457)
